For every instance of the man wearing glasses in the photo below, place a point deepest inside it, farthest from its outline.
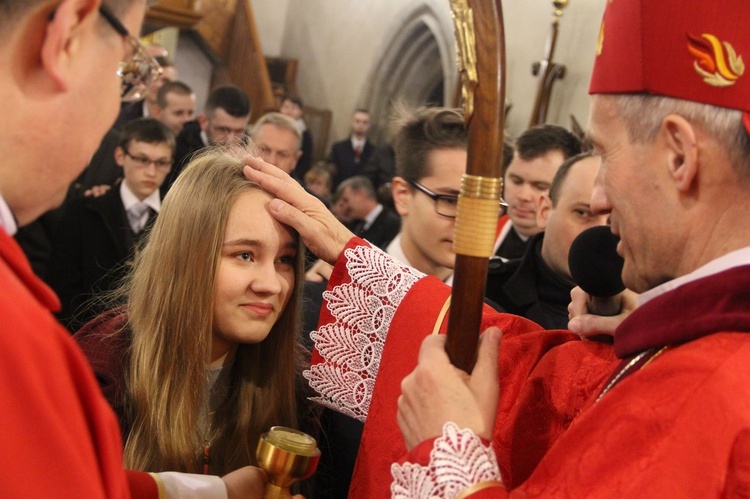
(430, 161)
(97, 235)
(224, 120)
(71, 60)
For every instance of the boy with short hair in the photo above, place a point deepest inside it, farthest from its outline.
(97, 236)
(430, 150)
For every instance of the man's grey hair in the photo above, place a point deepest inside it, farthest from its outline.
(280, 120)
(643, 115)
(358, 183)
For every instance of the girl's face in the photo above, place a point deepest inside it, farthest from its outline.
(255, 276)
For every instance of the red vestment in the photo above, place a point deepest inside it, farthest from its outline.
(59, 436)
(677, 426)
(547, 376)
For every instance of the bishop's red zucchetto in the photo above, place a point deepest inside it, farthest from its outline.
(688, 49)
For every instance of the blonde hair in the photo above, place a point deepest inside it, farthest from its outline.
(170, 312)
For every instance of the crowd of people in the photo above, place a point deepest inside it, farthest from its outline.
(218, 282)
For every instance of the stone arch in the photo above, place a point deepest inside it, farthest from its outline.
(416, 66)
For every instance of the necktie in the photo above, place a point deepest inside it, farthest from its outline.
(137, 216)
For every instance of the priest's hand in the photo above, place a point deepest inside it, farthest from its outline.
(436, 392)
(247, 483)
(321, 232)
(588, 324)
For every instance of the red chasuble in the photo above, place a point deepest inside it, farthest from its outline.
(547, 376)
(677, 425)
(59, 436)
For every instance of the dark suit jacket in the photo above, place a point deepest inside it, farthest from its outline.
(129, 111)
(36, 237)
(383, 229)
(347, 164)
(188, 142)
(305, 161)
(529, 288)
(102, 169)
(381, 166)
(89, 251)
(36, 240)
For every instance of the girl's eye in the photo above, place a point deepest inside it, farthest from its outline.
(286, 260)
(245, 256)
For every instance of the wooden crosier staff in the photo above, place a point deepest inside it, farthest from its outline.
(480, 42)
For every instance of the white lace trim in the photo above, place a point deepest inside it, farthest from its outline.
(352, 346)
(458, 460)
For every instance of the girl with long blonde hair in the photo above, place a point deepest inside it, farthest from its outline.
(204, 355)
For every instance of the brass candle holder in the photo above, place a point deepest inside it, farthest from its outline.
(287, 455)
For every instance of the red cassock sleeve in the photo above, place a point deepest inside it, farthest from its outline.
(58, 434)
(375, 316)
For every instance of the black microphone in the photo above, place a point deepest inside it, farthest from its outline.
(597, 268)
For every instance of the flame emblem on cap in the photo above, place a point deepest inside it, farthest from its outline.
(716, 62)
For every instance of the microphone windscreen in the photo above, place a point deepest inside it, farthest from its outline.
(594, 263)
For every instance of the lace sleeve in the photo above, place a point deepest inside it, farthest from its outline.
(459, 461)
(350, 346)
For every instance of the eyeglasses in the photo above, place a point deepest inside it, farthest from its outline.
(445, 205)
(138, 71)
(144, 162)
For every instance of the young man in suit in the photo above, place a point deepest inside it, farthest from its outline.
(351, 154)
(175, 105)
(430, 161)
(97, 236)
(374, 222)
(537, 286)
(224, 119)
(539, 152)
